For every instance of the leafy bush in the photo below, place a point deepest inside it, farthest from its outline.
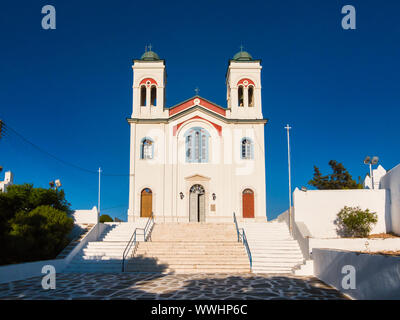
(105, 218)
(355, 222)
(33, 223)
(41, 233)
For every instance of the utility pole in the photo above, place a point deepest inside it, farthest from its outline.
(98, 208)
(290, 183)
(98, 200)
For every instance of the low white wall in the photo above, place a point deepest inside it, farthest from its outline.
(391, 182)
(85, 216)
(26, 270)
(92, 235)
(357, 244)
(376, 277)
(318, 209)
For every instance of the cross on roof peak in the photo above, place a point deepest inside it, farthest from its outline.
(241, 47)
(197, 91)
(150, 46)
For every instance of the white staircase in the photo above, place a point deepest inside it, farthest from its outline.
(272, 248)
(105, 255)
(191, 248)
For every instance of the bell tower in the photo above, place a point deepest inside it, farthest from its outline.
(149, 80)
(243, 85)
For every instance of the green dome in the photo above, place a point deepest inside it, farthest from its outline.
(150, 56)
(242, 56)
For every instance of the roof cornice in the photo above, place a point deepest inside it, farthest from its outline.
(194, 108)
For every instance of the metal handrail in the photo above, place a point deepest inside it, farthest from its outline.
(246, 244)
(237, 227)
(242, 237)
(127, 250)
(147, 226)
(133, 240)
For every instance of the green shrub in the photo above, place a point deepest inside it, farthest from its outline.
(105, 218)
(40, 234)
(354, 222)
(33, 223)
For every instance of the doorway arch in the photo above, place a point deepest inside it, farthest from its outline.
(248, 203)
(146, 203)
(197, 207)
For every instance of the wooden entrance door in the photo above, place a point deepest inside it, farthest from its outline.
(146, 203)
(248, 203)
(197, 206)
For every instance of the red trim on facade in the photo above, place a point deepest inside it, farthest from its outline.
(191, 103)
(144, 81)
(216, 126)
(241, 82)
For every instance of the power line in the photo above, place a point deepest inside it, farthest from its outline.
(7, 129)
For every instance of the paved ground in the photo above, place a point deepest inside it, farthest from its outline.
(172, 287)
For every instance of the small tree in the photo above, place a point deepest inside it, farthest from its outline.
(355, 222)
(33, 223)
(105, 218)
(340, 178)
(39, 234)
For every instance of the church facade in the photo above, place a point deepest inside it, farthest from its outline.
(197, 161)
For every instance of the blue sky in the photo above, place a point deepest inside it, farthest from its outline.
(69, 90)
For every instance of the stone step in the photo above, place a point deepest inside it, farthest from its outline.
(190, 245)
(189, 253)
(97, 259)
(287, 259)
(94, 261)
(210, 261)
(148, 266)
(186, 249)
(192, 270)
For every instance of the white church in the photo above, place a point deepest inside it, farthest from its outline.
(197, 161)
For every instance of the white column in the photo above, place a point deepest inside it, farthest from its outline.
(131, 209)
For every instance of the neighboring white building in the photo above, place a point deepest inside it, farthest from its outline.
(85, 216)
(197, 161)
(391, 182)
(377, 175)
(8, 180)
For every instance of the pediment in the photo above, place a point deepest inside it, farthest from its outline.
(197, 177)
(197, 101)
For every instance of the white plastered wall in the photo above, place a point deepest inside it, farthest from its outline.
(225, 174)
(318, 209)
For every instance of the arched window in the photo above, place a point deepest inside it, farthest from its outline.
(153, 96)
(247, 149)
(143, 96)
(147, 149)
(240, 96)
(196, 145)
(251, 96)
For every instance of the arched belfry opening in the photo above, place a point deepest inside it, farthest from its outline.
(197, 206)
(153, 96)
(143, 96)
(251, 96)
(240, 96)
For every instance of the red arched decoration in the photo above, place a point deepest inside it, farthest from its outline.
(245, 82)
(148, 82)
